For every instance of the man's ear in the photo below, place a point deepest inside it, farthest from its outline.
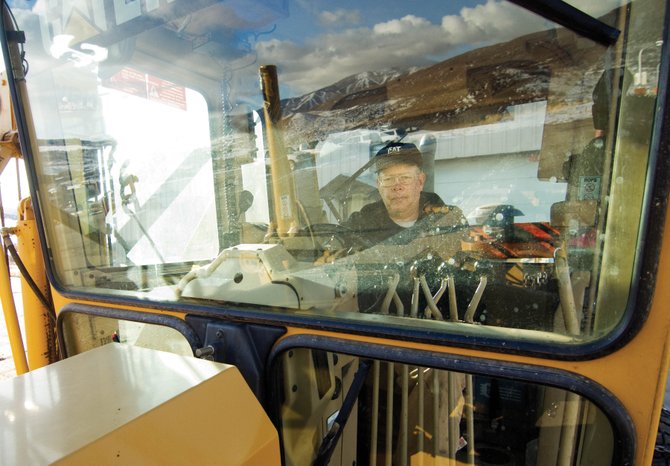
(422, 179)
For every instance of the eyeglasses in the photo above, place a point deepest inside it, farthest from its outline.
(403, 180)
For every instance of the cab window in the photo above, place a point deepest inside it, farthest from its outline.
(457, 169)
(397, 413)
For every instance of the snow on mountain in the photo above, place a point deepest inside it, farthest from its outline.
(347, 86)
(472, 88)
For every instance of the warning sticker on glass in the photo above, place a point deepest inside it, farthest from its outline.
(285, 206)
(589, 187)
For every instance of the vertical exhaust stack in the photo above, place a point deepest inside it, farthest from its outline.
(283, 189)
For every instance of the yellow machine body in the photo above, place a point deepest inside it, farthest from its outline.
(142, 407)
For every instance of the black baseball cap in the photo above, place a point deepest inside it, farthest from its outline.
(398, 152)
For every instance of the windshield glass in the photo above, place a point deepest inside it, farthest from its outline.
(462, 166)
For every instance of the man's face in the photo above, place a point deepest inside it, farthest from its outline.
(400, 186)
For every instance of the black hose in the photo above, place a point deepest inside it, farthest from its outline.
(9, 246)
(329, 442)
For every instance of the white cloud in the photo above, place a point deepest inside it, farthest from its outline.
(339, 17)
(492, 21)
(327, 58)
(404, 42)
(406, 25)
(330, 57)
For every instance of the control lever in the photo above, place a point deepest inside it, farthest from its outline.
(449, 270)
(392, 295)
(446, 271)
(476, 298)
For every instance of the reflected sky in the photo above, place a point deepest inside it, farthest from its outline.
(346, 38)
(324, 42)
(321, 42)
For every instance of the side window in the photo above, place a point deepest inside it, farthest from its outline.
(82, 332)
(134, 197)
(407, 414)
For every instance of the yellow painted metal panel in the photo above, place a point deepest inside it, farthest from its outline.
(11, 317)
(40, 332)
(129, 405)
